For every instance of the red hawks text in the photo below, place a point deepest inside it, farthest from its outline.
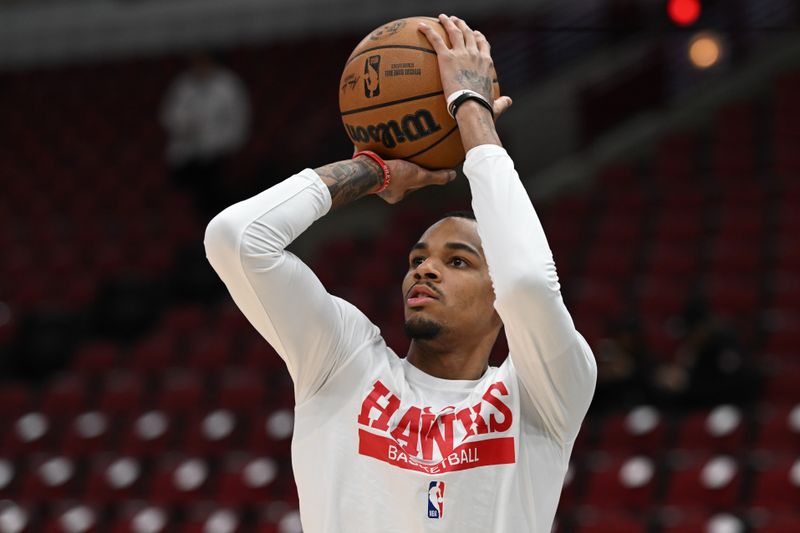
(420, 430)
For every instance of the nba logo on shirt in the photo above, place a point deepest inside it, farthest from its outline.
(436, 499)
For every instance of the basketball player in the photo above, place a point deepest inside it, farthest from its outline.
(438, 440)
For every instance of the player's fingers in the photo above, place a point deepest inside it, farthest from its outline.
(438, 44)
(466, 31)
(482, 43)
(455, 34)
(439, 177)
(501, 105)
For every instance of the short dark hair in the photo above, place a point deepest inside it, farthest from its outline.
(462, 213)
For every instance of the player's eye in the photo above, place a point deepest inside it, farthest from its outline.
(458, 261)
(417, 261)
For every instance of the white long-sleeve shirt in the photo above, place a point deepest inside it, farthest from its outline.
(380, 446)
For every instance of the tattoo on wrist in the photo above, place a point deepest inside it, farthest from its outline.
(470, 79)
(350, 180)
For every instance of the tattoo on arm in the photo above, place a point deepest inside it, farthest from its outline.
(350, 180)
(470, 79)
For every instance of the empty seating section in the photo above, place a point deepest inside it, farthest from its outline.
(191, 423)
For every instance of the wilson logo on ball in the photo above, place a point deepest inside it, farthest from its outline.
(411, 127)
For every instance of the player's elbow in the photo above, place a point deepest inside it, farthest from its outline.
(221, 240)
(586, 372)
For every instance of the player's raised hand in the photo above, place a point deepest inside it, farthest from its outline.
(408, 177)
(467, 63)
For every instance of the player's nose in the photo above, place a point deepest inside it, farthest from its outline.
(427, 270)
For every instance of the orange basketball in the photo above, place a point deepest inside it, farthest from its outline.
(391, 98)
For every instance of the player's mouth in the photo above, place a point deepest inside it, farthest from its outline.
(421, 295)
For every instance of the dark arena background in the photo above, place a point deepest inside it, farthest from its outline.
(659, 142)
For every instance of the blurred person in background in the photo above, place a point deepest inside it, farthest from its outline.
(206, 113)
(710, 366)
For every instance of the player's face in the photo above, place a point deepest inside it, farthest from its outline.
(447, 284)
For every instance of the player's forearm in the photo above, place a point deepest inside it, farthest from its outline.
(265, 224)
(351, 179)
(519, 257)
(476, 125)
(553, 361)
(511, 232)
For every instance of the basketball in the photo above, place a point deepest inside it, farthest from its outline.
(391, 98)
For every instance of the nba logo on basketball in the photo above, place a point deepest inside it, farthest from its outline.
(436, 499)
(372, 76)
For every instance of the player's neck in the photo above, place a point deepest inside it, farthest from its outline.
(447, 360)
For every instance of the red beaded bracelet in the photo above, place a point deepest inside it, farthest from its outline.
(387, 176)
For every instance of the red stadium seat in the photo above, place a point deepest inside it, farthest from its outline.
(211, 433)
(679, 226)
(184, 321)
(204, 518)
(732, 296)
(661, 296)
(155, 354)
(19, 516)
(137, 516)
(672, 260)
(95, 358)
(270, 433)
(182, 392)
(122, 393)
(283, 519)
(678, 520)
(598, 297)
(777, 486)
(608, 264)
(210, 352)
(623, 227)
(242, 390)
(15, 399)
(622, 482)
(783, 382)
(640, 431)
(32, 432)
(246, 479)
(733, 166)
(113, 478)
(65, 395)
(75, 518)
(230, 320)
(88, 432)
(10, 474)
(719, 430)
(704, 481)
(180, 480)
(569, 490)
(148, 435)
(735, 255)
(676, 159)
(785, 289)
(50, 477)
(260, 357)
(779, 430)
(606, 521)
(776, 522)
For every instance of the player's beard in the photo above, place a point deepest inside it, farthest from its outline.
(422, 329)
